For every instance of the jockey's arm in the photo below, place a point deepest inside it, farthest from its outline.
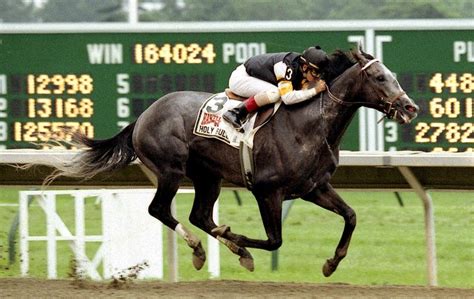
(288, 95)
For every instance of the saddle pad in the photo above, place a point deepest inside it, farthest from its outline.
(210, 123)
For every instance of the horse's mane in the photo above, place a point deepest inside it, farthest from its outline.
(339, 62)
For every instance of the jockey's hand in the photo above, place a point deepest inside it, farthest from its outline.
(320, 86)
(309, 85)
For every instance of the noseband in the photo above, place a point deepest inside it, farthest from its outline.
(386, 105)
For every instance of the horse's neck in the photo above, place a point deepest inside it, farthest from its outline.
(329, 118)
(337, 117)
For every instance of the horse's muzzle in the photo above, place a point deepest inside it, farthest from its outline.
(406, 109)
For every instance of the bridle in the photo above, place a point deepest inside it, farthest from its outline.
(386, 105)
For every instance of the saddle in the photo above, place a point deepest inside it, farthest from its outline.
(209, 124)
(263, 114)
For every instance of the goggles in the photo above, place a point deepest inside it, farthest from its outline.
(312, 68)
(313, 72)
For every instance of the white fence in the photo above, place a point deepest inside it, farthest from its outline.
(130, 237)
(414, 171)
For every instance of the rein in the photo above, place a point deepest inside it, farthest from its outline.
(385, 104)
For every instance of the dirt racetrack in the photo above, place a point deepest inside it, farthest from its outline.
(18, 287)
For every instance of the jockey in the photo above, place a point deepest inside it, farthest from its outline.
(267, 78)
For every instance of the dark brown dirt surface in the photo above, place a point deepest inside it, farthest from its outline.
(34, 288)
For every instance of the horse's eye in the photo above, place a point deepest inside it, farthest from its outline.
(380, 78)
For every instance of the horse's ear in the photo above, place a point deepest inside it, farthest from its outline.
(360, 50)
(358, 54)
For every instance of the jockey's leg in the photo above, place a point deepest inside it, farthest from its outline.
(244, 85)
(236, 115)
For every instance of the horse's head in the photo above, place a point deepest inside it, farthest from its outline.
(381, 90)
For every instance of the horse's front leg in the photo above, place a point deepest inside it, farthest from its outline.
(327, 198)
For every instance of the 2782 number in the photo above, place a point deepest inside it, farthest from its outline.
(452, 132)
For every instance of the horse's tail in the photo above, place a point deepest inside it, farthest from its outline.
(98, 156)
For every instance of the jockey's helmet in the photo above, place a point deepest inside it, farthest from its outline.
(315, 57)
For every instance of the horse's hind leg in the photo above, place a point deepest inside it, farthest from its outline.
(327, 198)
(161, 143)
(160, 208)
(207, 189)
(270, 210)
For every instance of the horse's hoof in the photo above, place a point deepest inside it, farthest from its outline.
(199, 257)
(220, 230)
(329, 268)
(198, 262)
(247, 263)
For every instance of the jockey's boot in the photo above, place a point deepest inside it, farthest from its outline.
(235, 115)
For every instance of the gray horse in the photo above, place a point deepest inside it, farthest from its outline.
(295, 154)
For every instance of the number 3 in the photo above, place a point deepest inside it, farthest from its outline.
(289, 74)
(216, 104)
(392, 132)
